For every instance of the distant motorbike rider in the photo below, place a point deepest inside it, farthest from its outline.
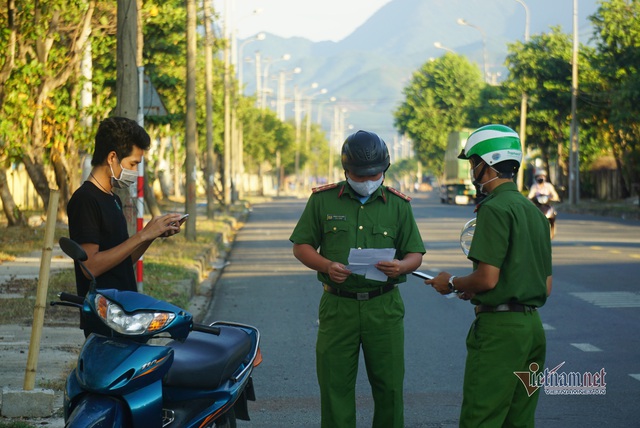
(542, 187)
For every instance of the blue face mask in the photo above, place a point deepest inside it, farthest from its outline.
(365, 188)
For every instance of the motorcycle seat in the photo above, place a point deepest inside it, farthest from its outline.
(205, 361)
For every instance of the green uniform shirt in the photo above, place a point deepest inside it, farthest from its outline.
(335, 221)
(512, 234)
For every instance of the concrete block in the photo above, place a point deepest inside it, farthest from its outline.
(36, 403)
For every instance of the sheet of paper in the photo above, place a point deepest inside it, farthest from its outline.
(363, 261)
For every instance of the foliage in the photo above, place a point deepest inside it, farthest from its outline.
(617, 36)
(438, 99)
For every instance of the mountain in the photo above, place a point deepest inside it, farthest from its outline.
(367, 70)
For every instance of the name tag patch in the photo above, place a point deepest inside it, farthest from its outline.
(336, 217)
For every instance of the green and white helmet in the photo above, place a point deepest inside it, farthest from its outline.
(494, 144)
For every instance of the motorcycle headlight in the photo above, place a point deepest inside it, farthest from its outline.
(136, 323)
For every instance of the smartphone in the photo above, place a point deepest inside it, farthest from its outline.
(421, 275)
(183, 218)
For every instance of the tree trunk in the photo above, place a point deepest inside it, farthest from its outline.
(15, 217)
(35, 170)
(149, 197)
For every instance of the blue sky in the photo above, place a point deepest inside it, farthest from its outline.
(316, 20)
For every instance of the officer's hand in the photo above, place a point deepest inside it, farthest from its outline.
(440, 283)
(466, 295)
(391, 269)
(337, 272)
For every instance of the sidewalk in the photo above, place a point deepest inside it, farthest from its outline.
(59, 346)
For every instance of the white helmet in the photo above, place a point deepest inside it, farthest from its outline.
(494, 144)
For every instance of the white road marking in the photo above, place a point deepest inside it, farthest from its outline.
(586, 347)
(548, 327)
(611, 299)
(636, 376)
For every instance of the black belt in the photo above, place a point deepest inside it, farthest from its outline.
(360, 296)
(506, 307)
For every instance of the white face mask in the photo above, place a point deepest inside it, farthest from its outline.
(480, 186)
(126, 179)
(365, 188)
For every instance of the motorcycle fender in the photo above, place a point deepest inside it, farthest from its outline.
(240, 406)
(99, 411)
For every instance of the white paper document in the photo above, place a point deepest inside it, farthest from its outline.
(363, 261)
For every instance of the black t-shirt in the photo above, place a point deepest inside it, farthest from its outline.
(96, 217)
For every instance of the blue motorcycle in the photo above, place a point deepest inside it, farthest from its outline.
(200, 376)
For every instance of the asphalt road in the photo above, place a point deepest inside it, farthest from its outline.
(591, 320)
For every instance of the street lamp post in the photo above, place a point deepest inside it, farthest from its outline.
(257, 38)
(297, 98)
(265, 80)
(523, 104)
(461, 21)
(281, 102)
(319, 119)
(308, 132)
(439, 45)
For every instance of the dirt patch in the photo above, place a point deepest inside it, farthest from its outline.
(17, 303)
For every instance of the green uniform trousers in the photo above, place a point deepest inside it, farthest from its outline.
(345, 325)
(499, 344)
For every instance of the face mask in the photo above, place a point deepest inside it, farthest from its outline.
(365, 188)
(126, 179)
(540, 180)
(480, 186)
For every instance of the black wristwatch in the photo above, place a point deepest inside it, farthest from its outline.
(452, 287)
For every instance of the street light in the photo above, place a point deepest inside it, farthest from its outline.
(440, 46)
(257, 38)
(461, 21)
(320, 105)
(523, 102)
(282, 77)
(265, 80)
(308, 131)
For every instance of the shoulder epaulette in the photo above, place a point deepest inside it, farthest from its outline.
(325, 187)
(399, 194)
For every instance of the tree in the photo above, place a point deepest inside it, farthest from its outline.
(617, 35)
(437, 101)
(14, 216)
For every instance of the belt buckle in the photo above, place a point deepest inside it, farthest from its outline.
(362, 296)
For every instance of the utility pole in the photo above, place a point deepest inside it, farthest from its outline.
(227, 109)
(208, 72)
(523, 104)
(190, 132)
(574, 170)
(126, 66)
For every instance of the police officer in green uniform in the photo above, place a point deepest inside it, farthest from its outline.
(356, 312)
(511, 278)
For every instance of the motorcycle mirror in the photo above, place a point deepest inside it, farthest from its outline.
(466, 236)
(73, 249)
(76, 252)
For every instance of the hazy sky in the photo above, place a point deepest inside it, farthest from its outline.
(316, 20)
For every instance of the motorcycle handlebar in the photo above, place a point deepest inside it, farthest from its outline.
(206, 329)
(67, 297)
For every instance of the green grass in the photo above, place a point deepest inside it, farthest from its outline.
(169, 269)
(16, 425)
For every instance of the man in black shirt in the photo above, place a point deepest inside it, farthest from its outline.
(96, 220)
